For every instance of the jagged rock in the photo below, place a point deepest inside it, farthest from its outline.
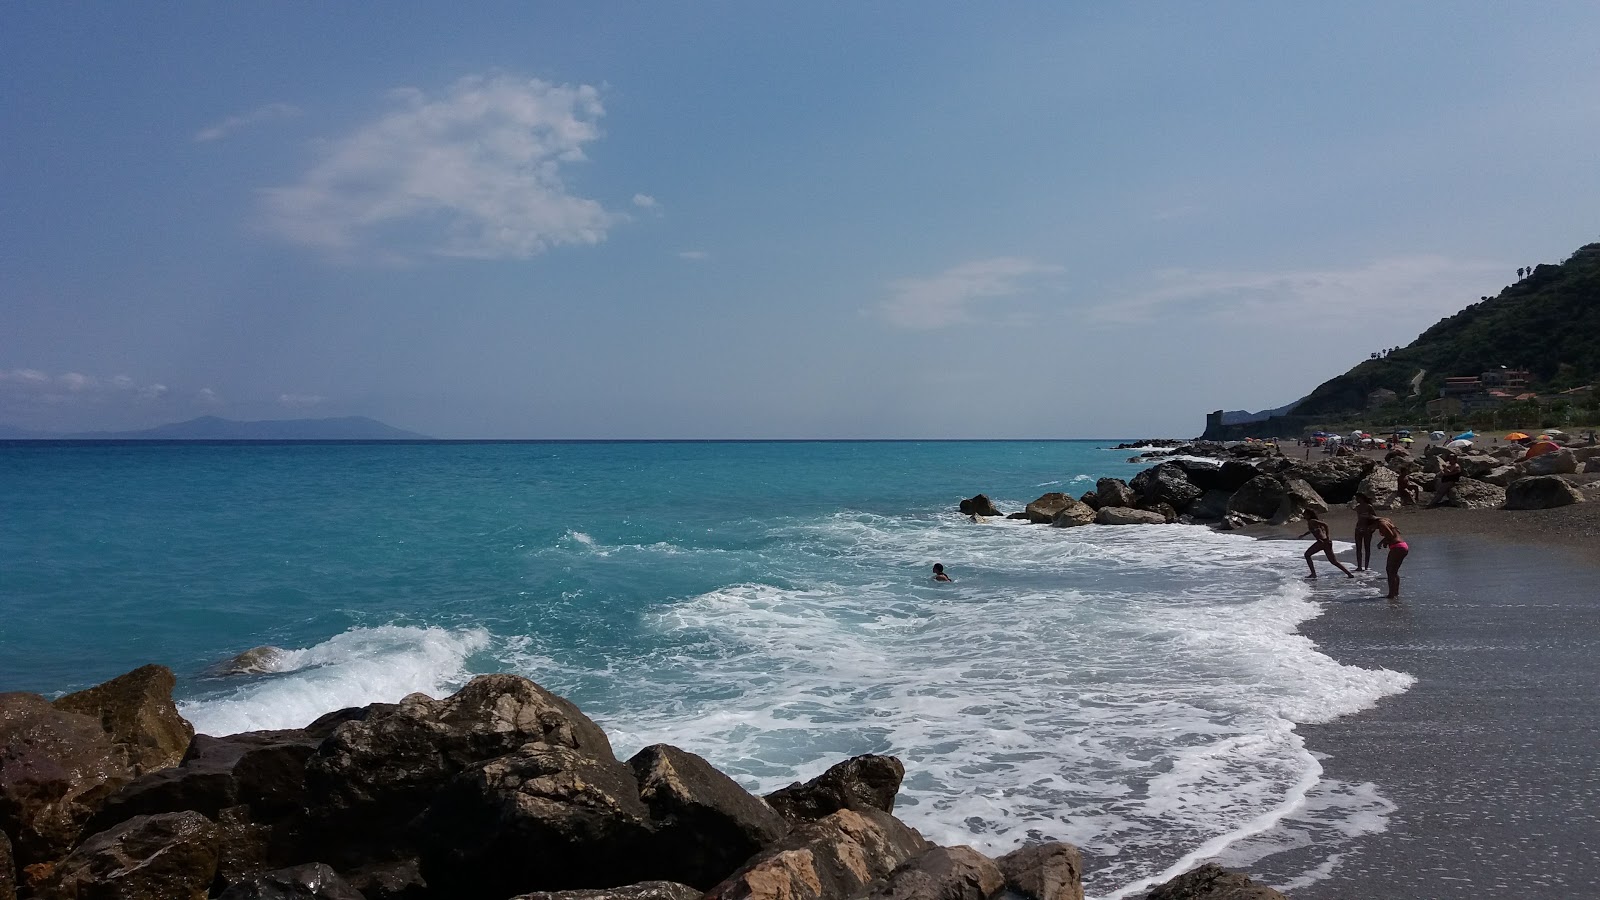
(245, 846)
(979, 505)
(706, 824)
(1541, 492)
(136, 709)
(1073, 514)
(399, 880)
(1383, 486)
(1301, 497)
(1168, 484)
(942, 873)
(1052, 871)
(1090, 499)
(1592, 464)
(1477, 465)
(172, 856)
(255, 661)
(1234, 521)
(834, 857)
(1502, 475)
(544, 818)
(1211, 506)
(312, 881)
(1335, 479)
(8, 870)
(1121, 515)
(1044, 509)
(327, 723)
(1161, 508)
(646, 890)
(1017, 515)
(1559, 462)
(1212, 882)
(265, 769)
(56, 769)
(861, 782)
(1114, 492)
(1470, 493)
(1261, 497)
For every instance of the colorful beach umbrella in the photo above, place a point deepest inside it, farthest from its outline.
(1465, 436)
(1516, 436)
(1458, 444)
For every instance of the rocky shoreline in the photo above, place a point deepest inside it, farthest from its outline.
(501, 790)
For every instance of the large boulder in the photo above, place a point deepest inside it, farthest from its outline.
(1591, 465)
(1166, 483)
(1261, 497)
(56, 769)
(1050, 871)
(1073, 514)
(136, 709)
(1335, 479)
(1559, 462)
(265, 769)
(1212, 882)
(1043, 510)
(394, 880)
(1477, 465)
(1382, 484)
(1090, 499)
(1470, 493)
(979, 505)
(706, 824)
(942, 873)
(861, 782)
(646, 890)
(255, 661)
(1501, 475)
(835, 857)
(1301, 497)
(312, 881)
(1114, 492)
(1121, 515)
(172, 856)
(8, 870)
(1541, 492)
(1211, 506)
(547, 817)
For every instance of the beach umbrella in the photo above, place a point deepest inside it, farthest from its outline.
(1557, 434)
(1406, 440)
(1464, 436)
(1436, 436)
(1516, 436)
(1458, 444)
(1540, 447)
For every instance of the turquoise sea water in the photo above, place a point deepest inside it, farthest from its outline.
(767, 605)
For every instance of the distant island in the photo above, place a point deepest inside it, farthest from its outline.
(1529, 356)
(213, 428)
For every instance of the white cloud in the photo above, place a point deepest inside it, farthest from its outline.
(300, 401)
(644, 201)
(73, 387)
(694, 255)
(78, 383)
(153, 392)
(473, 172)
(207, 396)
(951, 297)
(1408, 287)
(270, 112)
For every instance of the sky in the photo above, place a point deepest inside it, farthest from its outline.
(753, 220)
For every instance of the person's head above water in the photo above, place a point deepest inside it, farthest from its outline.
(938, 568)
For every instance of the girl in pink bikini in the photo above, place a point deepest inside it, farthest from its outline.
(1398, 551)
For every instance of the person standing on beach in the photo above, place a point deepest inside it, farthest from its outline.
(1398, 551)
(1321, 542)
(1449, 477)
(1366, 516)
(938, 573)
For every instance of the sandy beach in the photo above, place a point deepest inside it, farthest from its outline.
(1493, 757)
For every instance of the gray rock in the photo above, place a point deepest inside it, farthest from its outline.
(706, 824)
(1043, 510)
(1502, 475)
(646, 890)
(1302, 496)
(255, 661)
(1541, 492)
(1074, 514)
(1121, 515)
(1212, 882)
(1336, 479)
(1477, 465)
(1052, 871)
(1114, 492)
(1559, 462)
(835, 857)
(1470, 493)
(1211, 506)
(1592, 464)
(870, 781)
(1261, 497)
(172, 856)
(1090, 499)
(312, 881)
(1383, 486)
(1168, 484)
(942, 873)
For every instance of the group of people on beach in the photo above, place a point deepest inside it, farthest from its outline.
(1368, 523)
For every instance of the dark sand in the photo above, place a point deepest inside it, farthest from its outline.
(1493, 757)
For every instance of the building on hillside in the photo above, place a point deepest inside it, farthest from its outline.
(1514, 380)
(1582, 394)
(1381, 397)
(1444, 406)
(1461, 385)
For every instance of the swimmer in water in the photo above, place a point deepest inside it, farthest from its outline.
(938, 573)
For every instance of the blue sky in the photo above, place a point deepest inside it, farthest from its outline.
(760, 220)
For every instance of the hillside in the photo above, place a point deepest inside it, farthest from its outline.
(1548, 323)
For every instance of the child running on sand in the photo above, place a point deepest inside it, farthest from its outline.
(1398, 551)
(1366, 515)
(1321, 542)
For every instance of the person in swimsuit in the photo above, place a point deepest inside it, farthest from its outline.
(1398, 551)
(1366, 515)
(1321, 542)
(1449, 476)
(938, 573)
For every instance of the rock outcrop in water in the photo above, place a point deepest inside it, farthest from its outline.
(502, 790)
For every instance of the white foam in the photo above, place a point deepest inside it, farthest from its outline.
(357, 667)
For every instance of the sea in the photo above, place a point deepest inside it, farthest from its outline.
(1133, 690)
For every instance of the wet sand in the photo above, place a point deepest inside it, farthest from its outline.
(1493, 757)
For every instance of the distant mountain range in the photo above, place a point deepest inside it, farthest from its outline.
(212, 428)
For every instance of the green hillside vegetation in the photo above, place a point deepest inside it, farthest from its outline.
(1547, 323)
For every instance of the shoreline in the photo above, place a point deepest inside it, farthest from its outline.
(1489, 757)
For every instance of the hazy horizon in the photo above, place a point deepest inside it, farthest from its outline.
(895, 221)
